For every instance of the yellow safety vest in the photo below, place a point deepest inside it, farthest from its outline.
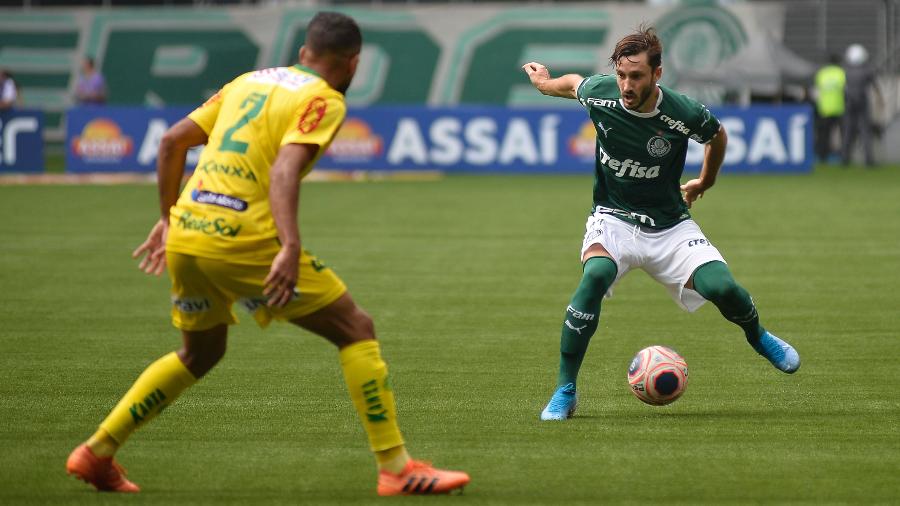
(830, 81)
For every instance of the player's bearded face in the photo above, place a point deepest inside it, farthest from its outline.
(636, 80)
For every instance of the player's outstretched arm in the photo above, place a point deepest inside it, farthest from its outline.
(712, 162)
(564, 86)
(284, 198)
(170, 159)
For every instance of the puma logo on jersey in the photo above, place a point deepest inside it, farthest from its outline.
(605, 130)
(576, 329)
(631, 168)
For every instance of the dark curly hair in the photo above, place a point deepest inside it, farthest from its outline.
(644, 39)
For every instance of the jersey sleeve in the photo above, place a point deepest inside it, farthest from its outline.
(705, 126)
(587, 86)
(316, 121)
(205, 115)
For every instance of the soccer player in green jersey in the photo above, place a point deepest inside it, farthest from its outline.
(640, 216)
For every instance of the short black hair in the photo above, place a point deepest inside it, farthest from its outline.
(333, 32)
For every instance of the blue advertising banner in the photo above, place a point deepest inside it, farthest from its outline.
(21, 140)
(453, 139)
(117, 139)
(499, 139)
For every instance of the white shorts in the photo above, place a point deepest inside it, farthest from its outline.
(669, 256)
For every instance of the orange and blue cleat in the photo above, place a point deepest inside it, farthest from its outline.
(420, 478)
(104, 473)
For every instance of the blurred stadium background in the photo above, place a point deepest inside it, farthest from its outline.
(171, 55)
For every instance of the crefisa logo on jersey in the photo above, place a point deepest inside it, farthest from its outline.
(658, 146)
(584, 143)
(355, 141)
(102, 140)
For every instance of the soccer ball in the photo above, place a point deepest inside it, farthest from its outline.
(657, 375)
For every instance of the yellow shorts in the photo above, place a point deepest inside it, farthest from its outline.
(203, 291)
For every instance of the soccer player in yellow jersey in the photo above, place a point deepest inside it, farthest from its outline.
(232, 236)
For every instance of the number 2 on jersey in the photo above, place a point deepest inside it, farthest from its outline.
(255, 100)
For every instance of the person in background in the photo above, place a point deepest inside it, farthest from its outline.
(858, 118)
(91, 87)
(829, 94)
(9, 90)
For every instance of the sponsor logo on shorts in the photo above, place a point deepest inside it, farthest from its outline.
(191, 304)
(251, 304)
(218, 199)
(218, 226)
(698, 242)
(658, 146)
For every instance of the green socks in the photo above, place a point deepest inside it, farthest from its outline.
(714, 282)
(582, 316)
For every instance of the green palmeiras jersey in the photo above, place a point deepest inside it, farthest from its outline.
(640, 156)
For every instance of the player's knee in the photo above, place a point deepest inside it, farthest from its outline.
(200, 355)
(599, 274)
(364, 326)
(722, 290)
(201, 361)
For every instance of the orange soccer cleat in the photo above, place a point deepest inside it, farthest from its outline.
(420, 478)
(104, 473)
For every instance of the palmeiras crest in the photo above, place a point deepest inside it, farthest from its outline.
(658, 146)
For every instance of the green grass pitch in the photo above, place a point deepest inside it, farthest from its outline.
(467, 280)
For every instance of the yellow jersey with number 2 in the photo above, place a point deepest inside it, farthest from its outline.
(223, 212)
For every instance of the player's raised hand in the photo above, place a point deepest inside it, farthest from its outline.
(693, 190)
(155, 249)
(536, 72)
(282, 279)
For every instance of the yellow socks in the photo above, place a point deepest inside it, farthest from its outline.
(393, 460)
(367, 379)
(365, 372)
(102, 444)
(155, 388)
